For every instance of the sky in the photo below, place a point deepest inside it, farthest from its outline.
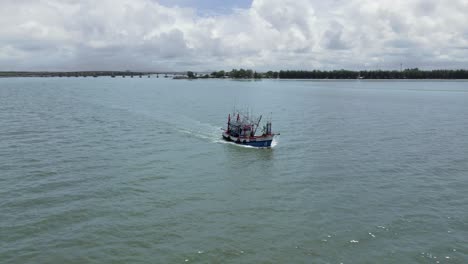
(205, 35)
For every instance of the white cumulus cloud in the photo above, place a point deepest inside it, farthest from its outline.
(270, 34)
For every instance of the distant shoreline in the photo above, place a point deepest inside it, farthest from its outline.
(407, 74)
(79, 73)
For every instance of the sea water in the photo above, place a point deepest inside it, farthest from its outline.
(113, 170)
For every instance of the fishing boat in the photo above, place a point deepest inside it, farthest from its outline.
(242, 130)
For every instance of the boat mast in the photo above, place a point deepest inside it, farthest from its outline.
(256, 126)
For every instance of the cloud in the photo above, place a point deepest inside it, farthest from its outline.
(332, 38)
(273, 34)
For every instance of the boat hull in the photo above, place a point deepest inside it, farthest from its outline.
(259, 142)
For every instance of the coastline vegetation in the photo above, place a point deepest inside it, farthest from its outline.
(251, 74)
(343, 74)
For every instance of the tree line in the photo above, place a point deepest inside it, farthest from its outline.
(414, 73)
(234, 73)
(378, 74)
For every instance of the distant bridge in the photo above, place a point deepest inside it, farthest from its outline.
(89, 73)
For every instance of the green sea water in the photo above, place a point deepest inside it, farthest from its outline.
(113, 170)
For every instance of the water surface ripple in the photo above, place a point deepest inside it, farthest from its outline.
(111, 170)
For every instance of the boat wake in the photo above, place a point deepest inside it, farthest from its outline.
(204, 131)
(212, 134)
(179, 123)
(274, 143)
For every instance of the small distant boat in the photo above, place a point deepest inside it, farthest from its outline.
(242, 130)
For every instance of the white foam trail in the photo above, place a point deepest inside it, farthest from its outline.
(200, 130)
(211, 133)
(201, 134)
(274, 143)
